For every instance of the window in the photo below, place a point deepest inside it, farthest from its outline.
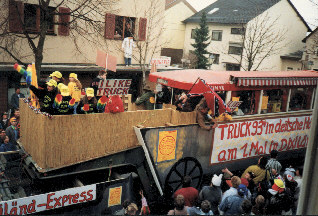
(232, 67)
(192, 33)
(217, 35)
(119, 27)
(216, 58)
(237, 31)
(33, 16)
(235, 48)
(290, 68)
(124, 27)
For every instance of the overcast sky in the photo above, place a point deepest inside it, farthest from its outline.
(306, 8)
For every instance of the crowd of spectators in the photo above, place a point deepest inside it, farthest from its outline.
(255, 192)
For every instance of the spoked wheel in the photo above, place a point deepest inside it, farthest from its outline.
(187, 166)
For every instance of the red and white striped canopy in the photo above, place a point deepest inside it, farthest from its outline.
(276, 81)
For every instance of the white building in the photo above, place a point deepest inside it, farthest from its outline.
(234, 23)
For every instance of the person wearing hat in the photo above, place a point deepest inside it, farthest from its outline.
(62, 102)
(148, 98)
(212, 193)
(75, 88)
(57, 76)
(280, 198)
(46, 96)
(12, 131)
(231, 205)
(88, 104)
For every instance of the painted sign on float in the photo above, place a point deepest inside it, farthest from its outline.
(167, 145)
(48, 201)
(245, 139)
(114, 196)
(113, 87)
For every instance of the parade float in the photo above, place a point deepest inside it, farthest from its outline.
(95, 161)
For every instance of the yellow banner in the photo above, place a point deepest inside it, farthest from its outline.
(167, 145)
(114, 197)
(34, 82)
(264, 102)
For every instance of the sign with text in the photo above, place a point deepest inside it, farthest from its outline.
(245, 139)
(48, 201)
(113, 87)
(167, 145)
(114, 197)
(161, 62)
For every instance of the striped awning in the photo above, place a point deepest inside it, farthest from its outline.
(243, 81)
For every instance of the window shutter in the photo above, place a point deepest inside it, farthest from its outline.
(142, 29)
(64, 21)
(109, 26)
(16, 14)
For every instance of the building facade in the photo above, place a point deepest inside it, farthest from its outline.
(236, 25)
(75, 33)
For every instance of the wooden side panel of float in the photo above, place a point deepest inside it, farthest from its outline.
(66, 140)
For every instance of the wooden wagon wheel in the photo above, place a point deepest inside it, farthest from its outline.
(185, 166)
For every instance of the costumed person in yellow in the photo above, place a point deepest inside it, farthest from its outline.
(57, 76)
(64, 103)
(75, 88)
(88, 103)
(46, 96)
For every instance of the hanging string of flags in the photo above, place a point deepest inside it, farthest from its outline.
(36, 110)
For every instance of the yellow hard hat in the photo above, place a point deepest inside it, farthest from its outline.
(59, 86)
(90, 92)
(64, 90)
(279, 183)
(51, 82)
(74, 75)
(56, 74)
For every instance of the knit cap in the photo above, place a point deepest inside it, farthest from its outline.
(216, 180)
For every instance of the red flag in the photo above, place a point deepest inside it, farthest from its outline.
(210, 95)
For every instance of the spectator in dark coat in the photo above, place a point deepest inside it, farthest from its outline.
(8, 146)
(180, 207)
(4, 120)
(15, 98)
(259, 207)
(189, 193)
(212, 193)
(2, 136)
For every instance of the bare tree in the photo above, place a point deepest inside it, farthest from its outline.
(260, 39)
(86, 25)
(153, 42)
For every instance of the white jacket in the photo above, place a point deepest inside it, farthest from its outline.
(127, 46)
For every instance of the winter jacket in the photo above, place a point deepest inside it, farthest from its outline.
(213, 195)
(15, 100)
(46, 97)
(147, 99)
